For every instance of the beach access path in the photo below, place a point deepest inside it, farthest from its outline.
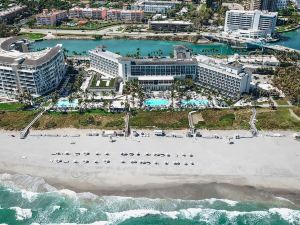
(263, 161)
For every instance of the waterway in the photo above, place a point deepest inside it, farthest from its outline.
(291, 39)
(153, 47)
(125, 47)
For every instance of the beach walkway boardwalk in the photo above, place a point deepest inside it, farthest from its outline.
(191, 122)
(252, 122)
(25, 131)
(127, 126)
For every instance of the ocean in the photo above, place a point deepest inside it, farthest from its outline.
(52, 206)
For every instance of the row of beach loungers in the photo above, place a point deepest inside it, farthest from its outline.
(107, 161)
(155, 154)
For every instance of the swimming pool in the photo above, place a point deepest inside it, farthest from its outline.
(156, 102)
(64, 103)
(194, 102)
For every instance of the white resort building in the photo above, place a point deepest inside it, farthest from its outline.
(230, 79)
(156, 74)
(35, 72)
(250, 24)
(154, 6)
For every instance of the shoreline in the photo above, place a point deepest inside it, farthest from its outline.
(221, 170)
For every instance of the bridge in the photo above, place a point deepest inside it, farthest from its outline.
(246, 42)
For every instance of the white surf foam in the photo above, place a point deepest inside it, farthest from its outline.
(292, 216)
(82, 210)
(68, 193)
(22, 214)
(227, 201)
(29, 195)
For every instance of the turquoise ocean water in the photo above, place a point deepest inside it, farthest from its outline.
(18, 206)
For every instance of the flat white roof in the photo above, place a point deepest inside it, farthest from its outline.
(155, 78)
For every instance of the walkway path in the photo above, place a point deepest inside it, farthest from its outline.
(191, 122)
(294, 115)
(252, 122)
(127, 126)
(25, 131)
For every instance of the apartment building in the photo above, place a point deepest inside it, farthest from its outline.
(50, 18)
(268, 5)
(170, 26)
(230, 79)
(159, 73)
(9, 14)
(250, 24)
(35, 72)
(125, 15)
(153, 6)
(89, 13)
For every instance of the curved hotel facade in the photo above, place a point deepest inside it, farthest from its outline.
(35, 72)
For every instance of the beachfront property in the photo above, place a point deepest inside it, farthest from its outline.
(230, 79)
(35, 72)
(50, 18)
(158, 74)
(153, 6)
(89, 13)
(250, 24)
(125, 15)
(105, 62)
(9, 14)
(170, 25)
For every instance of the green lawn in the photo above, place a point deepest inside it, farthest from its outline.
(160, 119)
(227, 119)
(15, 120)
(279, 119)
(297, 111)
(92, 25)
(281, 101)
(32, 36)
(102, 83)
(11, 106)
(95, 119)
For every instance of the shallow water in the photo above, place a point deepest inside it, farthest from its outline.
(53, 206)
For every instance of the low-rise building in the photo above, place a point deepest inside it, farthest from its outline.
(9, 14)
(170, 26)
(50, 18)
(154, 6)
(89, 13)
(35, 72)
(125, 15)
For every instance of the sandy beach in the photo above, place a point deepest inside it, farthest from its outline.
(208, 167)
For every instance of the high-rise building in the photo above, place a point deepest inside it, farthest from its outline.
(214, 4)
(250, 24)
(255, 4)
(35, 72)
(269, 5)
